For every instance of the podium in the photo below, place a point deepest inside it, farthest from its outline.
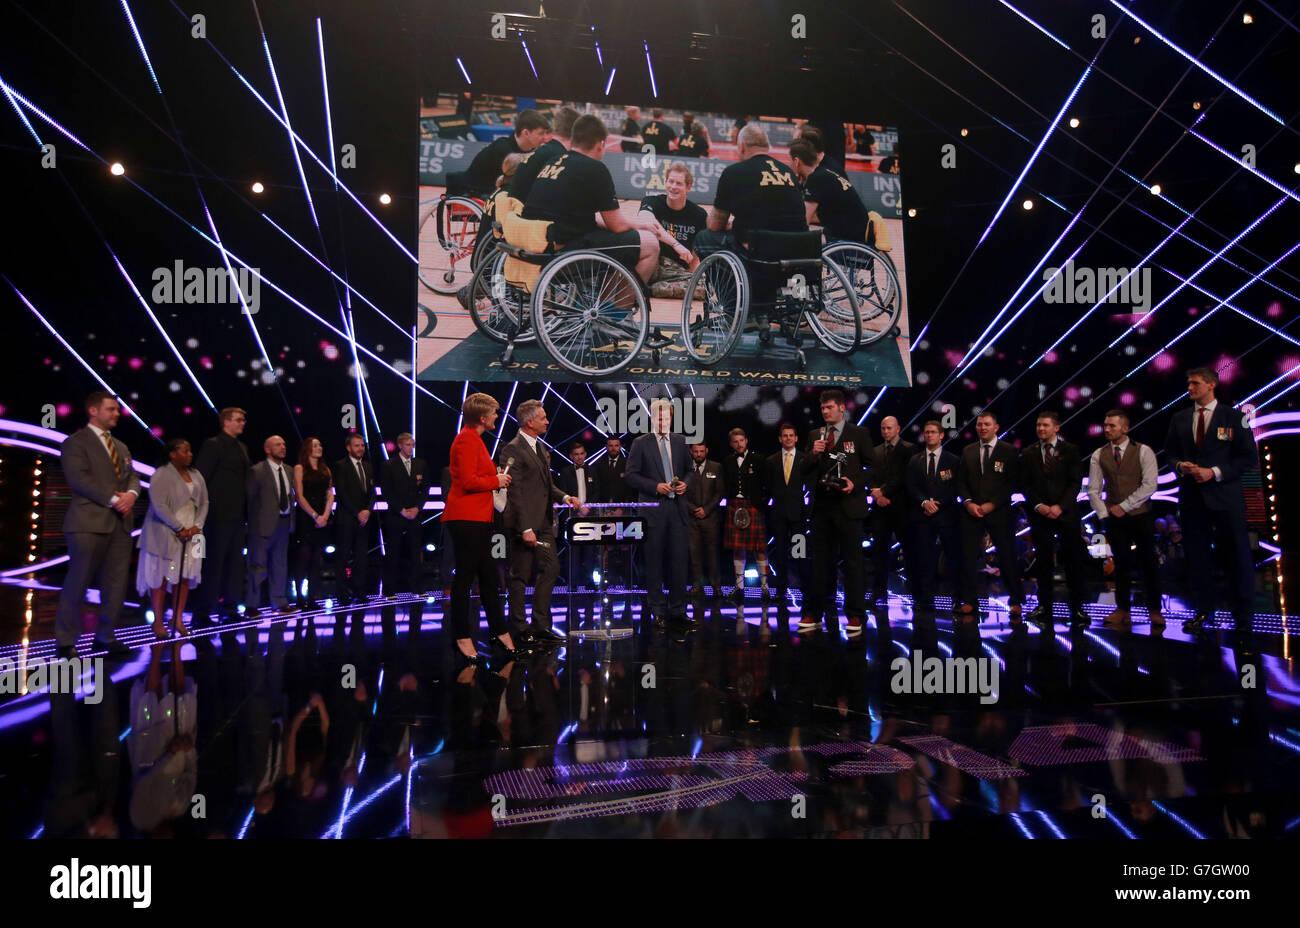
(600, 528)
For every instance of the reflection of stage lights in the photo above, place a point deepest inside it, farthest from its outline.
(385, 199)
(428, 547)
(329, 549)
(595, 576)
(257, 186)
(116, 169)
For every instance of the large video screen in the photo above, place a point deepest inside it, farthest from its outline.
(792, 308)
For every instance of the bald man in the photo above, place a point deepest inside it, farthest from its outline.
(886, 476)
(270, 503)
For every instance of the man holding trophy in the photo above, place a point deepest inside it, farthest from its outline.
(656, 469)
(836, 472)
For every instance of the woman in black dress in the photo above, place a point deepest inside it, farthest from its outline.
(315, 493)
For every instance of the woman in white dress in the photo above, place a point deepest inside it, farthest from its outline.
(171, 540)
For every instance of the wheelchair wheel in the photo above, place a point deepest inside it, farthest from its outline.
(590, 313)
(447, 233)
(499, 309)
(833, 312)
(711, 324)
(875, 284)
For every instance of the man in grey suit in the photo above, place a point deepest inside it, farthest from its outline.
(703, 493)
(270, 504)
(655, 468)
(97, 525)
(530, 523)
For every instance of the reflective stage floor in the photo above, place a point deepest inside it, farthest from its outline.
(742, 726)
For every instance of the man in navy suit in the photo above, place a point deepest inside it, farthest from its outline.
(1211, 445)
(656, 468)
(931, 479)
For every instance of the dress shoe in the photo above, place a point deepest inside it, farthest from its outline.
(683, 621)
(548, 636)
(464, 660)
(66, 652)
(1196, 623)
(1120, 618)
(1041, 614)
(288, 609)
(115, 648)
(1079, 619)
(499, 649)
(1157, 619)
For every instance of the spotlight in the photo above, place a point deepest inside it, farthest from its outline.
(116, 169)
(912, 212)
(1247, 19)
(1196, 104)
(1074, 123)
(385, 199)
(428, 547)
(1028, 204)
(1155, 189)
(1297, 168)
(965, 132)
(1137, 40)
(257, 186)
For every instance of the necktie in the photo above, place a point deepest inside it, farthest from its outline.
(984, 464)
(1049, 456)
(580, 478)
(929, 473)
(667, 462)
(284, 491)
(407, 463)
(1117, 455)
(117, 460)
(1200, 426)
(787, 460)
(888, 449)
(361, 474)
(830, 442)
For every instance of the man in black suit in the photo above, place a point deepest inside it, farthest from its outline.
(581, 480)
(931, 479)
(655, 469)
(742, 474)
(988, 473)
(885, 479)
(703, 493)
(617, 561)
(405, 489)
(97, 525)
(788, 513)
(1052, 474)
(835, 469)
(530, 523)
(224, 463)
(354, 486)
(1211, 446)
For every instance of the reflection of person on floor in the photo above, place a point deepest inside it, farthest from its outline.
(164, 763)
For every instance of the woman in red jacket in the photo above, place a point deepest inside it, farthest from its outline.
(467, 516)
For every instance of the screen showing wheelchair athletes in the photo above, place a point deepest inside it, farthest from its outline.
(573, 241)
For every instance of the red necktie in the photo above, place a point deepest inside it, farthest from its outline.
(1200, 426)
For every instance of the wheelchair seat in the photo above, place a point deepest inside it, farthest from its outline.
(525, 243)
(770, 246)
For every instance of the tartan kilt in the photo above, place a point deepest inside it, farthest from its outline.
(753, 538)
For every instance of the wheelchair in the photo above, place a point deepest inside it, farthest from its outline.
(449, 232)
(589, 312)
(779, 279)
(875, 284)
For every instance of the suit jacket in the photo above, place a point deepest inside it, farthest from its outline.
(568, 481)
(614, 485)
(943, 489)
(533, 489)
(264, 497)
(645, 471)
(890, 478)
(1060, 487)
(351, 498)
(750, 479)
(787, 500)
(472, 480)
(1229, 445)
(168, 492)
(855, 443)
(90, 474)
(401, 491)
(997, 483)
(223, 461)
(704, 490)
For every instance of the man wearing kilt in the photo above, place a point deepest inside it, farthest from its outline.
(743, 479)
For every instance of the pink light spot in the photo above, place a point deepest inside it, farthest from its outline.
(135, 363)
(1274, 310)
(1094, 429)
(188, 410)
(64, 409)
(205, 363)
(110, 359)
(330, 350)
(1227, 368)
(952, 357)
(1192, 311)
(1164, 361)
(1050, 357)
(1289, 366)
(1127, 399)
(157, 431)
(1072, 393)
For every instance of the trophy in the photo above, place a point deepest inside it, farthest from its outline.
(834, 478)
(677, 485)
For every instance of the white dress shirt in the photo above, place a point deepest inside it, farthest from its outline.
(1209, 414)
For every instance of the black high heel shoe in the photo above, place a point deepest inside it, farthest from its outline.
(463, 660)
(500, 651)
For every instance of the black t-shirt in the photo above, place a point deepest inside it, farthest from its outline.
(839, 207)
(526, 173)
(631, 130)
(761, 193)
(683, 224)
(570, 191)
(693, 147)
(486, 166)
(658, 134)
